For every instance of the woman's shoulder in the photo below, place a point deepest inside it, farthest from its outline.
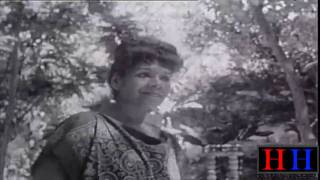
(82, 123)
(80, 120)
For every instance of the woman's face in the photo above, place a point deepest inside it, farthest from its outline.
(144, 86)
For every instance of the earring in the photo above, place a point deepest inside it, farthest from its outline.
(112, 100)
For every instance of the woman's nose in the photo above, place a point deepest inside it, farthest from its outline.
(155, 81)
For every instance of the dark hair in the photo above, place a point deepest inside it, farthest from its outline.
(136, 50)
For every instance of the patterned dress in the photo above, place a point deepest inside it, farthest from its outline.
(91, 146)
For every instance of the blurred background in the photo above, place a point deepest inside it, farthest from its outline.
(249, 75)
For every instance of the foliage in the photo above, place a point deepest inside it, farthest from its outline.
(234, 102)
(256, 93)
(49, 38)
(61, 46)
(231, 23)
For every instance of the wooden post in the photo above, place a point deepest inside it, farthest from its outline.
(233, 152)
(212, 173)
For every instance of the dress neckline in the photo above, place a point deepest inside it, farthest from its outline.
(135, 134)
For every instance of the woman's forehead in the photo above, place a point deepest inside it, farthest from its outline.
(154, 66)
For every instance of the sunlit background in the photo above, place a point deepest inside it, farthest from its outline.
(231, 90)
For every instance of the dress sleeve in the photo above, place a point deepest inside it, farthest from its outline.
(67, 148)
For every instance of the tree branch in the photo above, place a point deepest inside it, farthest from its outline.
(301, 109)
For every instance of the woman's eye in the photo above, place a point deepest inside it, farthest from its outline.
(143, 75)
(165, 78)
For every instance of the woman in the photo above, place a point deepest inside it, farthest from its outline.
(123, 139)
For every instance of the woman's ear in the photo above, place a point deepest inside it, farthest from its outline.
(115, 81)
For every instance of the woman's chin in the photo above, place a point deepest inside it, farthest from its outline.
(148, 107)
(151, 103)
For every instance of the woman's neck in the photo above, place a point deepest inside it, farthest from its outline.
(126, 114)
(132, 117)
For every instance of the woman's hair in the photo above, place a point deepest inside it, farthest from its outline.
(137, 50)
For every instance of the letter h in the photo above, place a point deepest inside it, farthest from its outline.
(307, 159)
(279, 159)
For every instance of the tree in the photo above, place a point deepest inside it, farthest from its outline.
(258, 92)
(280, 35)
(13, 83)
(40, 46)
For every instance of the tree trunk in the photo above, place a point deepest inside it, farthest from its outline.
(13, 84)
(299, 100)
